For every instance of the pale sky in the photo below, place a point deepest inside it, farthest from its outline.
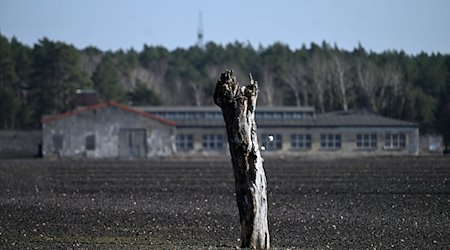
(410, 25)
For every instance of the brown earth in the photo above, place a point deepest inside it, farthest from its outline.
(364, 203)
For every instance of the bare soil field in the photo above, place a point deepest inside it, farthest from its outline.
(363, 203)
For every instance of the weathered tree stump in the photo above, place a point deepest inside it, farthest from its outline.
(238, 104)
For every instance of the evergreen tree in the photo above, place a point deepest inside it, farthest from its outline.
(9, 103)
(23, 69)
(107, 80)
(142, 95)
(42, 80)
(56, 76)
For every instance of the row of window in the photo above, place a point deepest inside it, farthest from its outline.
(218, 115)
(282, 115)
(391, 140)
(89, 142)
(190, 115)
(184, 142)
(273, 142)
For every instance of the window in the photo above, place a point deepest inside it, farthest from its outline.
(287, 115)
(213, 115)
(301, 141)
(366, 141)
(277, 115)
(90, 142)
(184, 142)
(57, 142)
(298, 115)
(213, 142)
(395, 140)
(190, 115)
(180, 115)
(267, 115)
(276, 144)
(330, 141)
(170, 115)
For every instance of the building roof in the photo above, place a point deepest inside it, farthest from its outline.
(358, 118)
(98, 106)
(214, 108)
(352, 118)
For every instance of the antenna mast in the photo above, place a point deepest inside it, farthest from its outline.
(200, 31)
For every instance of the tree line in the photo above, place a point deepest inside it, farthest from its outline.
(43, 79)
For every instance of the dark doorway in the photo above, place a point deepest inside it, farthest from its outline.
(132, 143)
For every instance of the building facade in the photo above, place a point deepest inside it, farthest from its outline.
(113, 130)
(107, 130)
(296, 131)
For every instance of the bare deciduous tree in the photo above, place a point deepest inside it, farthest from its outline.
(389, 86)
(294, 76)
(268, 88)
(339, 77)
(197, 91)
(318, 71)
(366, 75)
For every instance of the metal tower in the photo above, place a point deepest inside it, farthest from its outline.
(200, 31)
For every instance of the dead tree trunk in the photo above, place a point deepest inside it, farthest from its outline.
(238, 105)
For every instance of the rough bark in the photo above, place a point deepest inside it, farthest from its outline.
(238, 105)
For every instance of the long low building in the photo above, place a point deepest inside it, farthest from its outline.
(295, 131)
(113, 130)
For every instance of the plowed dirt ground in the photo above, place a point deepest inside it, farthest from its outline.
(364, 203)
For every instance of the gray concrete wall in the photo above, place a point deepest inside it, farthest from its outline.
(20, 143)
(431, 144)
(105, 124)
